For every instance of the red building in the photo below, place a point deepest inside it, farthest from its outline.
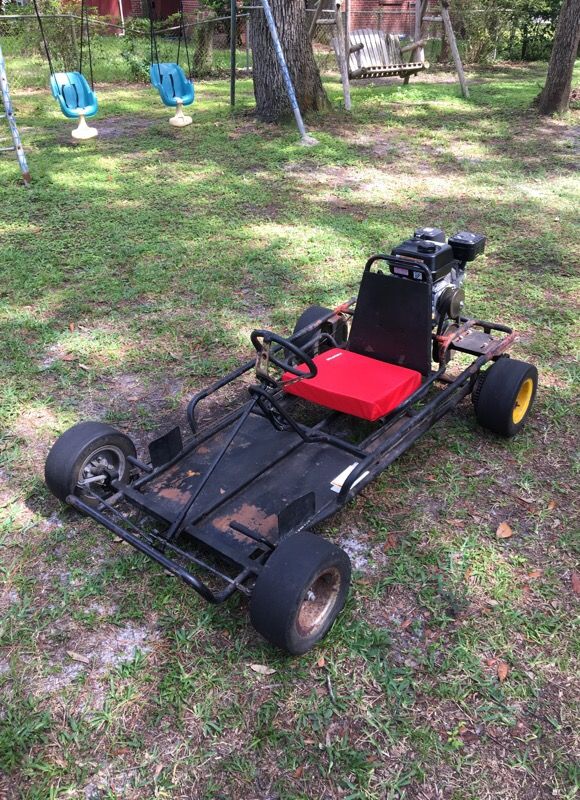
(396, 16)
(137, 8)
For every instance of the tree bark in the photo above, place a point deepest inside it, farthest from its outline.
(272, 102)
(555, 96)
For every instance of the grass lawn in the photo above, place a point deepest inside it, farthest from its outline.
(131, 274)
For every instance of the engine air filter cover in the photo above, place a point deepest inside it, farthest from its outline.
(433, 234)
(438, 256)
(467, 245)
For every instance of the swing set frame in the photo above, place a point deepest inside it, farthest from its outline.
(77, 100)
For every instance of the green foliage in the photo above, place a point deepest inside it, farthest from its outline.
(533, 24)
(492, 29)
(136, 51)
(63, 35)
(135, 56)
(220, 7)
(22, 725)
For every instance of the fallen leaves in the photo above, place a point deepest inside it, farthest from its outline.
(504, 531)
(576, 582)
(70, 357)
(262, 669)
(502, 671)
(390, 542)
(78, 657)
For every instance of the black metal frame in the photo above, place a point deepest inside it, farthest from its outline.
(392, 435)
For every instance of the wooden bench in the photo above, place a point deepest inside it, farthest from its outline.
(374, 54)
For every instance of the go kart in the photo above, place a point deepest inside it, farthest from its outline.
(318, 415)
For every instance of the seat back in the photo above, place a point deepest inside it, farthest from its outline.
(74, 94)
(378, 49)
(170, 81)
(392, 320)
(70, 95)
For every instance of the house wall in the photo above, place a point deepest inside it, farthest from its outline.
(392, 16)
(395, 16)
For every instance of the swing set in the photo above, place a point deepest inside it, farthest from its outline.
(175, 89)
(76, 98)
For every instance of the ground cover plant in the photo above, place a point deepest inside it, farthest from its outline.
(132, 273)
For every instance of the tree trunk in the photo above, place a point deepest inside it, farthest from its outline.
(272, 102)
(202, 57)
(445, 54)
(555, 95)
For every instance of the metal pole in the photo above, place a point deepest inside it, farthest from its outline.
(9, 114)
(305, 138)
(248, 44)
(233, 37)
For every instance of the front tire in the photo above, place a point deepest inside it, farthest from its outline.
(300, 592)
(504, 395)
(89, 450)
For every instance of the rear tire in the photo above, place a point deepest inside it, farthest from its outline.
(300, 592)
(89, 449)
(504, 395)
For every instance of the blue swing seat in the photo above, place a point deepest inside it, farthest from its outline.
(74, 94)
(170, 81)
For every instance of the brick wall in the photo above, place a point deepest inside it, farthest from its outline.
(395, 16)
(392, 16)
(191, 6)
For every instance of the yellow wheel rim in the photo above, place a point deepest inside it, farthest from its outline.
(523, 401)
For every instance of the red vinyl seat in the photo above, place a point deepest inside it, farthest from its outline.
(355, 384)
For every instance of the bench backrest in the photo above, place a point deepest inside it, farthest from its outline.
(378, 49)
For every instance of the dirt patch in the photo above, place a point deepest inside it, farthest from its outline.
(357, 550)
(95, 655)
(9, 597)
(125, 126)
(311, 173)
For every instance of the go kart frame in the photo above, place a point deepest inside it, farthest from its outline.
(330, 408)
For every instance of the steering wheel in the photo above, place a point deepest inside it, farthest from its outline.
(262, 341)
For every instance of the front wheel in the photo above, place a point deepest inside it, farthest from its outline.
(84, 461)
(300, 592)
(504, 394)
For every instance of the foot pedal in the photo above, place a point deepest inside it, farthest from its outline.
(166, 447)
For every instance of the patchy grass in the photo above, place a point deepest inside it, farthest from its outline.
(132, 273)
